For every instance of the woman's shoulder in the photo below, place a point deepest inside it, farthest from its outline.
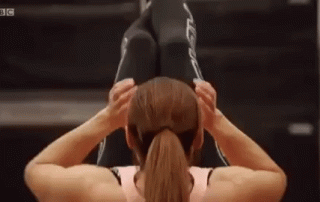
(244, 184)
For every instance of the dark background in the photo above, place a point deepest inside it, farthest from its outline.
(59, 58)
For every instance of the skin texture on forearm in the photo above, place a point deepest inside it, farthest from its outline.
(72, 148)
(240, 149)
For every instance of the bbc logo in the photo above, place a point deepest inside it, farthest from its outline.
(6, 11)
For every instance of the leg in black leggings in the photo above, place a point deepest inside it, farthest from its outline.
(138, 61)
(175, 30)
(138, 52)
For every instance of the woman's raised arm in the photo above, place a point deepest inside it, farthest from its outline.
(250, 164)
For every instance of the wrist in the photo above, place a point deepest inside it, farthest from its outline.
(104, 120)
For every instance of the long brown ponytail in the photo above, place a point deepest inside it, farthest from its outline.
(164, 120)
(165, 164)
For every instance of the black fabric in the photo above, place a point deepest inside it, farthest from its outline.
(115, 152)
(138, 52)
(139, 61)
(175, 30)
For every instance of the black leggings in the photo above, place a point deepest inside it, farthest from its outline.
(160, 43)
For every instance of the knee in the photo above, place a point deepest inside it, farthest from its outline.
(173, 35)
(141, 38)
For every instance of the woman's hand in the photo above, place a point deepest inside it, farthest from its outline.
(208, 102)
(119, 98)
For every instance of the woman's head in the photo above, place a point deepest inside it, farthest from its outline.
(164, 127)
(164, 103)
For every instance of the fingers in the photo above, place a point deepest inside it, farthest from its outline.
(124, 82)
(206, 86)
(126, 97)
(205, 109)
(121, 87)
(205, 90)
(209, 100)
